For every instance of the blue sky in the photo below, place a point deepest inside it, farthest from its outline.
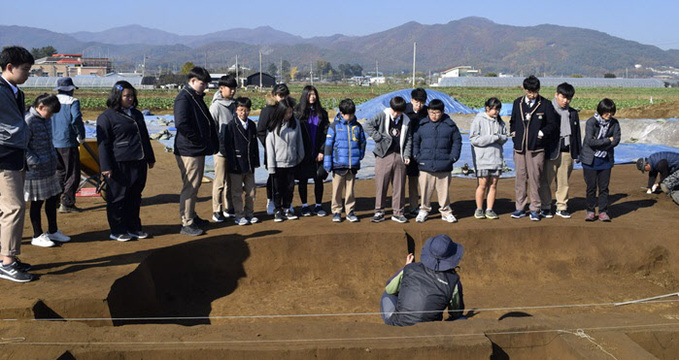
(648, 22)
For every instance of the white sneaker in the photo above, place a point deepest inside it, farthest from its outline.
(270, 207)
(120, 237)
(254, 220)
(42, 241)
(58, 236)
(450, 218)
(242, 221)
(138, 234)
(421, 216)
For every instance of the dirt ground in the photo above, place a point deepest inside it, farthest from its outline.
(310, 288)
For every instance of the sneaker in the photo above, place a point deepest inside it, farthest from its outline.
(58, 236)
(305, 211)
(229, 214)
(603, 216)
(120, 237)
(534, 216)
(414, 212)
(42, 241)
(490, 214)
(22, 265)
(518, 214)
(65, 209)
(337, 217)
(421, 216)
(318, 209)
(479, 214)
(590, 216)
(449, 218)
(278, 216)
(399, 219)
(270, 207)
(218, 217)
(351, 217)
(564, 214)
(378, 217)
(13, 272)
(242, 221)
(191, 230)
(200, 222)
(290, 215)
(138, 234)
(546, 213)
(253, 220)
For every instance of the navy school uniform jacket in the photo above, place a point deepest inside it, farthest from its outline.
(121, 137)
(196, 129)
(240, 147)
(543, 118)
(13, 134)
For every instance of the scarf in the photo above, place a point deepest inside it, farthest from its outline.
(565, 122)
(603, 129)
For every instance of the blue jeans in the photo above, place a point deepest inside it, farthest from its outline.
(387, 306)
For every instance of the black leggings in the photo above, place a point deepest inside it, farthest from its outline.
(318, 190)
(283, 187)
(50, 211)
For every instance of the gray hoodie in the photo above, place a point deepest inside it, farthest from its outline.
(487, 135)
(284, 149)
(223, 111)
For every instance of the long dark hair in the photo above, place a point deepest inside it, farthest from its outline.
(303, 110)
(278, 116)
(115, 97)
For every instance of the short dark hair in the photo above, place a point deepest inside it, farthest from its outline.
(199, 73)
(280, 90)
(397, 103)
(50, 101)
(228, 81)
(244, 102)
(15, 55)
(531, 83)
(606, 106)
(493, 103)
(437, 104)
(115, 97)
(347, 107)
(566, 89)
(419, 94)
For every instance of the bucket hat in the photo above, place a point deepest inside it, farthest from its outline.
(440, 253)
(65, 84)
(641, 164)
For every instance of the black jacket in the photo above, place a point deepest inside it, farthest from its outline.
(122, 138)
(13, 158)
(415, 117)
(575, 137)
(239, 147)
(543, 119)
(309, 166)
(437, 145)
(196, 129)
(264, 117)
(590, 143)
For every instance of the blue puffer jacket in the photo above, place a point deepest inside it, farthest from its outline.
(344, 145)
(437, 145)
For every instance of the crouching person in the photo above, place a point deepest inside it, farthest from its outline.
(421, 291)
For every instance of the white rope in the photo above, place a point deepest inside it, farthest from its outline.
(582, 334)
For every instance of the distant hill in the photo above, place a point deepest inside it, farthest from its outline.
(475, 41)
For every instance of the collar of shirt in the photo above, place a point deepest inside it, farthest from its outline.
(244, 123)
(530, 102)
(15, 89)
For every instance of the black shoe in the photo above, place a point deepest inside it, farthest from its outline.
(200, 222)
(64, 209)
(191, 230)
(278, 216)
(379, 217)
(12, 272)
(217, 217)
(305, 211)
(22, 266)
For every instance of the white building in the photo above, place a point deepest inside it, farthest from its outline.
(461, 71)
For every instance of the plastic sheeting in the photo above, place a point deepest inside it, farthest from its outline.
(368, 109)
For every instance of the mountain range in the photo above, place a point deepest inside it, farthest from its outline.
(474, 41)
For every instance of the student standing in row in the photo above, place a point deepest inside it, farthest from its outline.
(15, 63)
(125, 155)
(564, 150)
(532, 125)
(487, 135)
(314, 121)
(223, 110)
(602, 135)
(196, 138)
(416, 110)
(284, 151)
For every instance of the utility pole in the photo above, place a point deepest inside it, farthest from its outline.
(377, 71)
(311, 74)
(414, 58)
(260, 69)
(280, 72)
(143, 69)
(237, 79)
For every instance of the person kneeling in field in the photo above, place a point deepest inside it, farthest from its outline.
(422, 290)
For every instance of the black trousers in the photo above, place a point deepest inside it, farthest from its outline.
(68, 171)
(123, 199)
(269, 187)
(50, 211)
(318, 190)
(283, 187)
(597, 179)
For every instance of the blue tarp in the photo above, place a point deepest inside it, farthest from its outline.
(506, 110)
(368, 109)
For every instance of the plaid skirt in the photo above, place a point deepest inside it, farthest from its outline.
(42, 189)
(486, 173)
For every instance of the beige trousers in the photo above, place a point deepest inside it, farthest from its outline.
(12, 209)
(529, 167)
(439, 181)
(339, 182)
(390, 169)
(413, 192)
(243, 183)
(191, 169)
(559, 169)
(221, 187)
